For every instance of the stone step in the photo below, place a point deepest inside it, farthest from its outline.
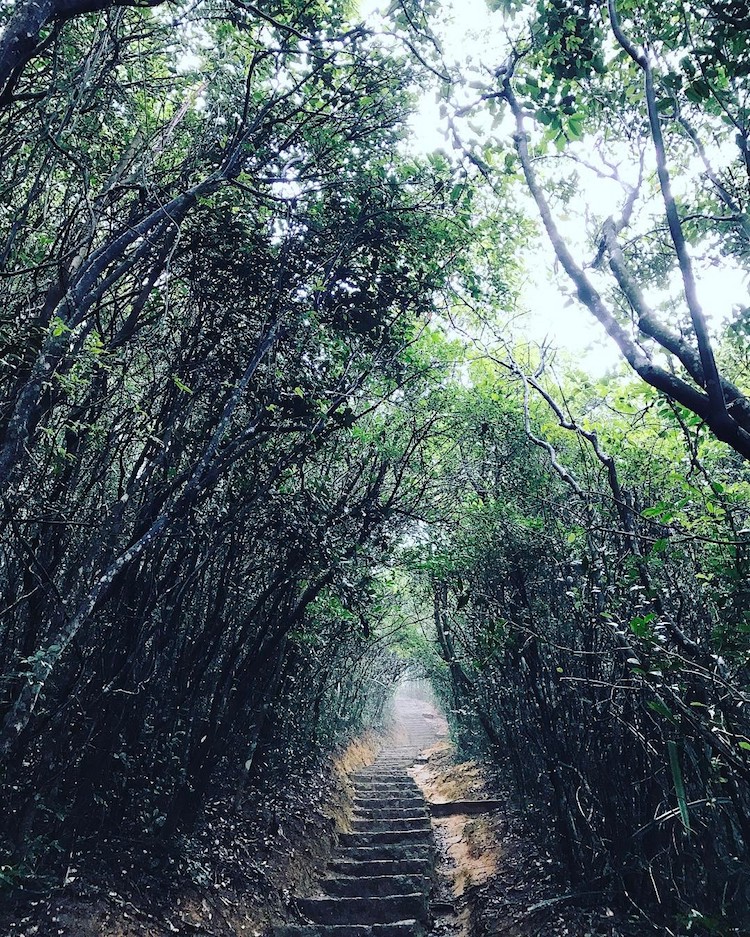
(396, 770)
(399, 759)
(396, 929)
(409, 802)
(406, 824)
(362, 802)
(380, 867)
(391, 813)
(391, 851)
(397, 778)
(387, 837)
(401, 763)
(380, 910)
(389, 774)
(396, 761)
(375, 886)
(396, 799)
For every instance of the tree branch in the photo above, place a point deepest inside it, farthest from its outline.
(702, 404)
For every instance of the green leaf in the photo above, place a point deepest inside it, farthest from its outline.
(59, 327)
(656, 511)
(181, 384)
(641, 625)
(658, 707)
(575, 126)
(679, 785)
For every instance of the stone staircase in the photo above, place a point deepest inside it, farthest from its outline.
(379, 879)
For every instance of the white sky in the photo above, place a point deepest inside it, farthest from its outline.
(469, 29)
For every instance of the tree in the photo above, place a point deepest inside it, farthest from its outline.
(649, 100)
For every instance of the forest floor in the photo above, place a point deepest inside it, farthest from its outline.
(233, 877)
(238, 873)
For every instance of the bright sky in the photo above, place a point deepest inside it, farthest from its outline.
(469, 30)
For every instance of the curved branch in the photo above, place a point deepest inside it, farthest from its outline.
(22, 34)
(537, 440)
(717, 418)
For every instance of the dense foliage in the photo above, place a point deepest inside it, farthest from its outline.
(590, 631)
(215, 266)
(266, 439)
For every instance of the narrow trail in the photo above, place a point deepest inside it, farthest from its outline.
(379, 879)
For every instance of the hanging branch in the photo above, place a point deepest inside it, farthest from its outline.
(22, 35)
(620, 498)
(537, 440)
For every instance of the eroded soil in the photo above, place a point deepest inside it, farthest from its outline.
(496, 876)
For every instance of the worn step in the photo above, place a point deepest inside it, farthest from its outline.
(377, 767)
(385, 771)
(390, 824)
(391, 813)
(382, 781)
(386, 793)
(414, 802)
(396, 775)
(396, 783)
(390, 770)
(392, 851)
(392, 764)
(380, 910)
(362, 802)
(396, 929)
(383, 837)
(397, 765)
(380, 867)
(375, 886)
